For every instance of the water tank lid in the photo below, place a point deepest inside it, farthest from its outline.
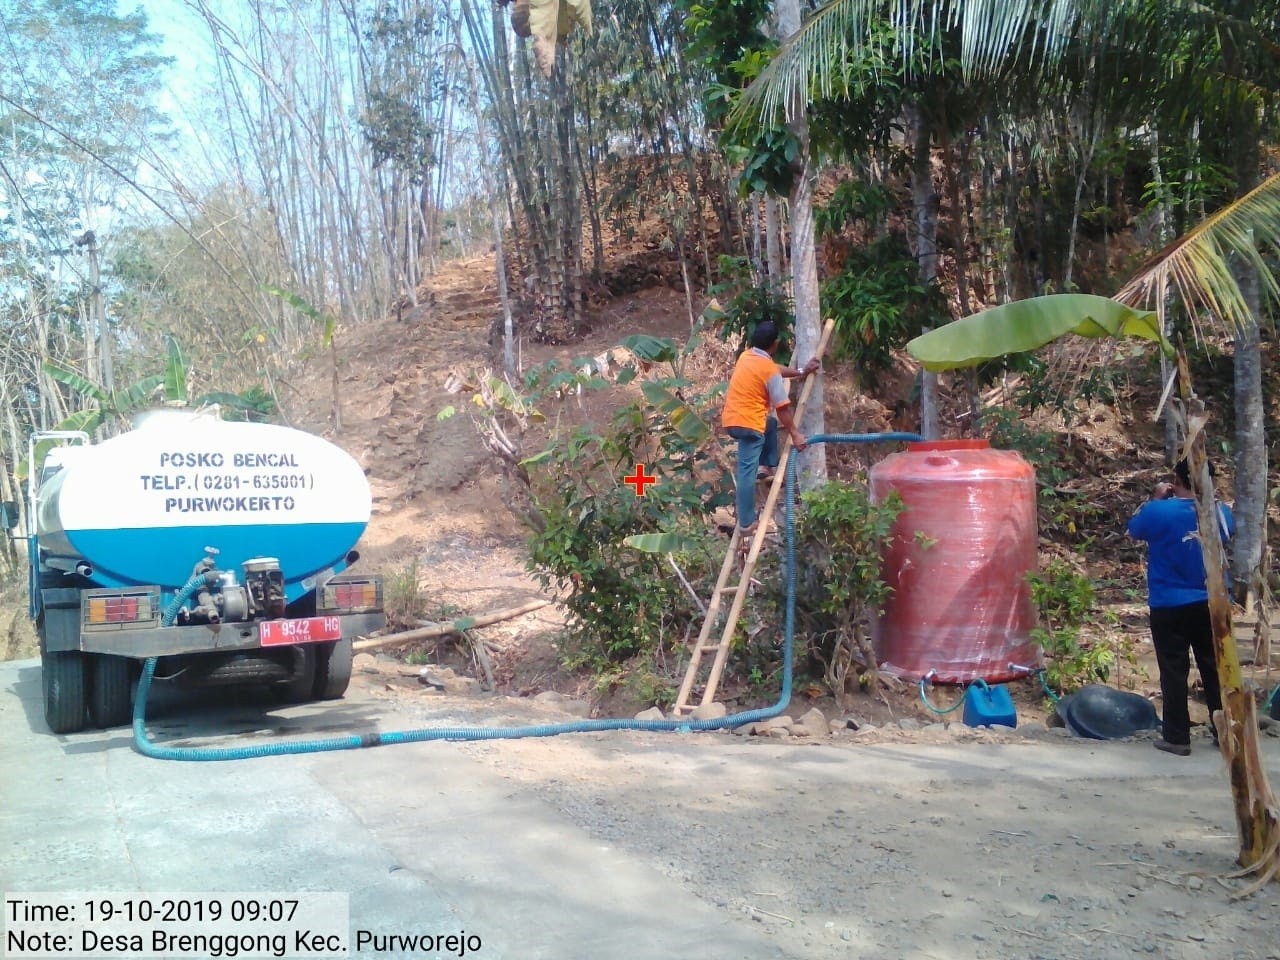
(927, 446)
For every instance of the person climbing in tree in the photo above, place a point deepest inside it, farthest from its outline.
(1179, 601)
(757, 387)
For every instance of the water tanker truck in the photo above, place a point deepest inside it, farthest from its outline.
(218, 548)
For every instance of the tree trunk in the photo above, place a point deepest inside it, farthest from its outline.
(1166, 235)
(804, 265)
(773, 241)
(1251, 468)
(1257, 810)
(925, 205)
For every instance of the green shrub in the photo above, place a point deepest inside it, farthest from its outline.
(626, 603)
(403, 597)
(742, 301)
(840, 539)
(1064, 600)
(878, 302)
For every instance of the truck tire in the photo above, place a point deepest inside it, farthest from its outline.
(333, 670)
(63, 672)
(300, 688)
(109, 681)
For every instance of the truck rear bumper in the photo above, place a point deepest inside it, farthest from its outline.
(168, 641)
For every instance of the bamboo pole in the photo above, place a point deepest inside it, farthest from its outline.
(460, 625)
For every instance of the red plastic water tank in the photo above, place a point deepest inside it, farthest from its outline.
(958, 562)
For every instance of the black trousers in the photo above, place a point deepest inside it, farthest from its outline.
(1176, 633)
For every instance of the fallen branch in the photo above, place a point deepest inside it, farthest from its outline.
(456, 626)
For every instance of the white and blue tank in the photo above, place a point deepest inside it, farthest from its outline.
(144, 507)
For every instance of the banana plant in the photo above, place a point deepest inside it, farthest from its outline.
(1026, 325)
(170, 387)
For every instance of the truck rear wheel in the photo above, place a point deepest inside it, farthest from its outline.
(63, 673)
(299, 689)
(109, 682)
(333, 670)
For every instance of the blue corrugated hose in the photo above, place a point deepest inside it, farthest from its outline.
(357, 741)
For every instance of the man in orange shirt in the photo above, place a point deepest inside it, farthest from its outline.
(755, 388)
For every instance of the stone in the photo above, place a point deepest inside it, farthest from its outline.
(909, 723)
(801, 732)
(814, 722)
(427, 677)
(746, 730)
(653, 713)
(1195, 883)
(709, 711)
(549, 696)
(461, 686)
(778, 733)
(783, 722)
(838, 727)
(576, 708)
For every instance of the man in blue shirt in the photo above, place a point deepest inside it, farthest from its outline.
(1179, 601)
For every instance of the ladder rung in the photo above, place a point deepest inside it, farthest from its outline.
(708, 647)
(727, 589)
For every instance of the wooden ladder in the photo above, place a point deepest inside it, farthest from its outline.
(739, 590)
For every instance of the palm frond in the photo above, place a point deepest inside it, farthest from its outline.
(1026, 40)
(995, 36)
(1200, 266)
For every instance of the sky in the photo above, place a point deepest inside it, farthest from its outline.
(185, 38)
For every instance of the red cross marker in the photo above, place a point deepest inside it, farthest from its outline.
(640, 480)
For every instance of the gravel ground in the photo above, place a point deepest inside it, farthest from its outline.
(928, 842)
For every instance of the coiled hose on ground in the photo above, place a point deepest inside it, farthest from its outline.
(357, 741)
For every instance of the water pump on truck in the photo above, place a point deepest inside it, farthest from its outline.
(219, 548)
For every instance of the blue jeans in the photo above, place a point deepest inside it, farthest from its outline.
(754, 451)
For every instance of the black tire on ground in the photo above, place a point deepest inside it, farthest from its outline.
(333, 670)
(109, 681)
(63, 673)
(231, 669)
(299, 689)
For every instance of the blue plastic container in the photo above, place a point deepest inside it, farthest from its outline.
(988, 706)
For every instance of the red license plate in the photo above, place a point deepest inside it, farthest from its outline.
(273, 633)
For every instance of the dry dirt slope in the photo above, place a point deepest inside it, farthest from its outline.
(437, 492)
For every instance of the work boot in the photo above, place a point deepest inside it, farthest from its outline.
(1177, 749)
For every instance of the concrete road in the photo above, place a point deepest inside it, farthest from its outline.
(422, 838)
(503, 841)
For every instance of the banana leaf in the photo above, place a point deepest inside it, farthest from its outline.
(82, 386)
(137, 396)
(175, 371)
(85, 420)
(660, 542)
(690, 427)
(1028, 325)
(651, 349)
